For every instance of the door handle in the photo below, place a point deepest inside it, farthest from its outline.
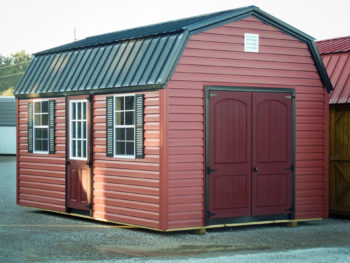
(255, 169)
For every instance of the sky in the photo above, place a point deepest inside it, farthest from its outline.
(36, 25)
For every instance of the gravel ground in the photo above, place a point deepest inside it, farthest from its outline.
(29, 235)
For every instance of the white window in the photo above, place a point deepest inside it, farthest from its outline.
(41, 126)
(124, 126)
(251, 42)
(78, 130)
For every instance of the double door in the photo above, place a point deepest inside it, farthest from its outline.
(249, 172)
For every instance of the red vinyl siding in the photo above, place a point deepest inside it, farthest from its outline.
(41, 177)
(127, 190)
(216, 57)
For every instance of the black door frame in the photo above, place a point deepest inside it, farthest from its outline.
(245, 219)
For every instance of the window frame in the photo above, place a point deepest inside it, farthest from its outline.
(115, 126)
(41, 126)
(70, 129)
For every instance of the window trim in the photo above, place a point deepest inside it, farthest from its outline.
(70, 130)
(124, 156)
(40, 126)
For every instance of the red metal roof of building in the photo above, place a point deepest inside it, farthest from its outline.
(334, 45)
(335, 54)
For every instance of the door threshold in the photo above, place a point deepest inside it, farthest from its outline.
(78, 211)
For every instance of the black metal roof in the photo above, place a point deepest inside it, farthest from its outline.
(143, 57)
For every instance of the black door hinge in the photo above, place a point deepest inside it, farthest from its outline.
(290, 209)
(291, 168)
(210, 170)
(210, 214)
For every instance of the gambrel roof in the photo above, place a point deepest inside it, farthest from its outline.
(336, 58)
(139, 58)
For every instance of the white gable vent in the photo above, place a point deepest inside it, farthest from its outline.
(251, 42)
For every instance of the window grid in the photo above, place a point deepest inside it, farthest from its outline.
(41, 126)
(78, 129)
(124, 126)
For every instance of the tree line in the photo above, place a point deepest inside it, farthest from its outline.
(11, 70)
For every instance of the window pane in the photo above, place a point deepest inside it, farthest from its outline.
(38, 133)
(37, 106)
(74, 110)
(79, 149)
(129, 118)
(119, 118)
(73, 148)
(79, 111)
(120, 149)
(119, 103)
(120, 134)
(45, 145)
(84, 130)
(44, 133)
(129, 103)
(38, 145)
(129, 134)
(130, 148)
(36, 119)
(45, 106)
(84, 149)
(74, 131)
(45, 119)
(79, 130)
(84, 110)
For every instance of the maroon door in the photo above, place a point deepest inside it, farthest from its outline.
(271, 154)
(78, 169)
(250, 149)
(230, 156)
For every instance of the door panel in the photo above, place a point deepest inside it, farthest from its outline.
(230, 132)
(78, 169)
(271, 153)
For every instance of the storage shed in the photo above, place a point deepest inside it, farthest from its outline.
(336, 57)
(208, 121)
(7, 125)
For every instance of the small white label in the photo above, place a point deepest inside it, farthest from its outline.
(251, 42)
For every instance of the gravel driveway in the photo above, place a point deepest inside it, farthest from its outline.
(29, 235)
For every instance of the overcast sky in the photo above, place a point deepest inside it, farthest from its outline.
(35, 25)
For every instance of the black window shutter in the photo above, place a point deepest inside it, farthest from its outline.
(139, 126)
(51, 126)
(30, 127)
(109, 126)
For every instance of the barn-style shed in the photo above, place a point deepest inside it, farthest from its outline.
(336, 57)
(207, 121)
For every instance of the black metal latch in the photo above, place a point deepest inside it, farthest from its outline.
(210, 170)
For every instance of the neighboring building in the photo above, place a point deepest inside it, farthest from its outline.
(7, 125)
(207, 121)
(336, 57)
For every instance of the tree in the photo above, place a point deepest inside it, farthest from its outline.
(11, 71)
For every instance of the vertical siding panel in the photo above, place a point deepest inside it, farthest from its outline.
(216, 57)
(41, 177)
(127, 190)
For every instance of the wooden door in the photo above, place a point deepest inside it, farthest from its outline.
(230, 156)
(250, 154)
(339, 177)
(271, 154)
(78, 168)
